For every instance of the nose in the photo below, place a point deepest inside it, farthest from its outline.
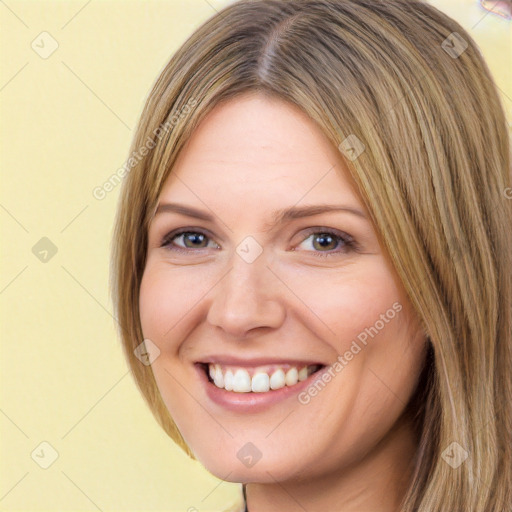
(247, 298)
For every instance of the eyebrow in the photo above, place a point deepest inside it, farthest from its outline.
(278, 216)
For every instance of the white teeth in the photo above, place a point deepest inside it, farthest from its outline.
(277, 380)
(292, 377)
(241, 382)
(218, 378)
(228, 380)
(261, 382)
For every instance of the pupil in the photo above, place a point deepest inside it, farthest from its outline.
(193, 237)
(324, 240)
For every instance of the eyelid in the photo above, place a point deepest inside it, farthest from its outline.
(167, 239)
(333, 231)
(348, 240)
(350, 244)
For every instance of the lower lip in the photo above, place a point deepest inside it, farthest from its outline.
(252, 402)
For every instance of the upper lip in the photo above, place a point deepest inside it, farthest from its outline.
(259, 361)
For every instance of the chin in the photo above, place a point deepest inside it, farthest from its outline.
(279, 467)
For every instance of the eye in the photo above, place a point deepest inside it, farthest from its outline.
(190, 240)
(325, 241)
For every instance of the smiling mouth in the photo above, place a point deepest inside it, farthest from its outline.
(259, 379)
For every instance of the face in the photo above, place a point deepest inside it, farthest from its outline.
(288, 348)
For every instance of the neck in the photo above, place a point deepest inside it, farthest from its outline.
(375, 484)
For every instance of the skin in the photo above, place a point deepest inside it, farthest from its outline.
(350, 447)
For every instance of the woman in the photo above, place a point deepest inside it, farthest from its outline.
(316, 251)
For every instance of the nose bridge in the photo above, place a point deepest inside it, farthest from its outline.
(247, 296)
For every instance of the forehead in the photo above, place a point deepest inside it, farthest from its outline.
(253, 146)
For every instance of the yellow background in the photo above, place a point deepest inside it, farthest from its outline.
(66, 125)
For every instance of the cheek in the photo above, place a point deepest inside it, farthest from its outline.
(163, 306)
(366, 318)
(167, 296)
(354, 303)
(155, 304)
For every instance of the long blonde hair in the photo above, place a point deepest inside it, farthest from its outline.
(409, 85)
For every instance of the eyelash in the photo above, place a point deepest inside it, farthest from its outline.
(349, 243)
